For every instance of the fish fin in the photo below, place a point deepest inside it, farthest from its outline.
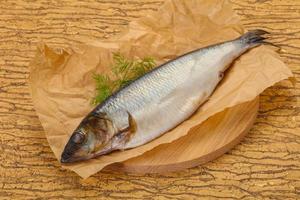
(255, 38)
(132, 123)
(131, 126)
(128, 131)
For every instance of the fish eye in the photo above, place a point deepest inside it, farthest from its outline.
(78, 138)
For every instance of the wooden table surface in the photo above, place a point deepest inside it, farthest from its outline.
(266, 165)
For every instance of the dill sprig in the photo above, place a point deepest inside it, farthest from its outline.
(124, 71)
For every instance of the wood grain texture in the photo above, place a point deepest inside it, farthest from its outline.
(266, 165)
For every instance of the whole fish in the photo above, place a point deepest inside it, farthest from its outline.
(157, 101)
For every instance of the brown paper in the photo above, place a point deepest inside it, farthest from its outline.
(62, 84)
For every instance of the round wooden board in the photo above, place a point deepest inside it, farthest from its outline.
(204, 143)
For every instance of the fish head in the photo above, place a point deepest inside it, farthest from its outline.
(91, 136)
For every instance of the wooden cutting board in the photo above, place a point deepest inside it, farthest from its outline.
(204, 143)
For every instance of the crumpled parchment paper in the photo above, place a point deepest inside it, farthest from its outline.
(62, 84)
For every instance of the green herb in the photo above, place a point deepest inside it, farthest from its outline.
(124, 71)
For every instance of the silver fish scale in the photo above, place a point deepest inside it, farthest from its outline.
(146, 89)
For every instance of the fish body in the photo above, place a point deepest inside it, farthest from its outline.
(157, 101)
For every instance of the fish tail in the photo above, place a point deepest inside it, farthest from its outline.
(255, 37)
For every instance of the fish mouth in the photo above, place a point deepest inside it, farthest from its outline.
(66, 159)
